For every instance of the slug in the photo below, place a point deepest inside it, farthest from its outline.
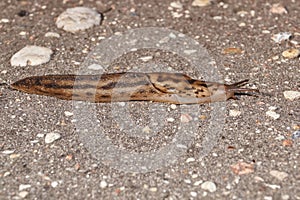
(175, 88)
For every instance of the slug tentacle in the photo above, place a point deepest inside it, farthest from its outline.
(173, 88)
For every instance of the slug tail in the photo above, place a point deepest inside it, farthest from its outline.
(236, 88)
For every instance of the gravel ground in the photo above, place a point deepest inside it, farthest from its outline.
(45, 153)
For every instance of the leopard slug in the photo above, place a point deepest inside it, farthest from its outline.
(175, 88)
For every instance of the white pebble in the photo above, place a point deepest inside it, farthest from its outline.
(95, 67)
(153, 189)
(103, 184)
(177, 5)
(54, 184)
(22, 33)
(146, 58)
(274, 187)
(52, 34)
(209, 186)
(189, 51)
(40, 135)
(201, 3)
(170, 119)
(31, 55)
(273, 114)
(193, 194)
(173, 106)
(146, 129)
(198, 183)
(23, 194)
(78, 18)
(24, 187)
(68, 114)
(291, 95)
(273, 108)
(279, 175)
(279, 37)
(268, 198)
(190, 160)
(51, 137)
(285, 197)
(234, 113)
(8, 152)
(4, 20)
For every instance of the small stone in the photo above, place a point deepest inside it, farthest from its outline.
(4, 20)
(241, 168)
(191, 159)
(51, 137)
(291, 95)
(242, 13)
(291, 53)
(279, 175)
(198, 183)
(78, 18)
(173, 106)
(95, 67)
(31, 55)
(296, 135)
(277, 8)
(7, 152)
(185, 118)
(287, 143)
(52, 34)
(209, 186)
(272, 186)
(273, 108)
(6, 174)
(203, 117)
(232, 50)
(24, 187)
(279, 37)
(54, 184)
(146, 58)
(189, 51)
(242, 24)
(217, 17)
(153, 189)
(266, 31)
(285, 197)
(234, 113)
(68, 114)
(176, 5)
(40, 135)
(193, 194)
(273, 114)
(103, 184)
(146, 129)
(176, 14)
(170, 119)
(258, 179)
(23, 33)
(23, 194)
(201, 3)
(14, 156)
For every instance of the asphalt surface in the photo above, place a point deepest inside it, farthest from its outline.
(213, 141)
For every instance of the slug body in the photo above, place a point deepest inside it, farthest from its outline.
(173, 88)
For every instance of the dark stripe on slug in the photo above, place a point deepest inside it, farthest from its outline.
(120, 84)
(108, 86)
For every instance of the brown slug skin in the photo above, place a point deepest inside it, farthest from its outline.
(173, 88)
